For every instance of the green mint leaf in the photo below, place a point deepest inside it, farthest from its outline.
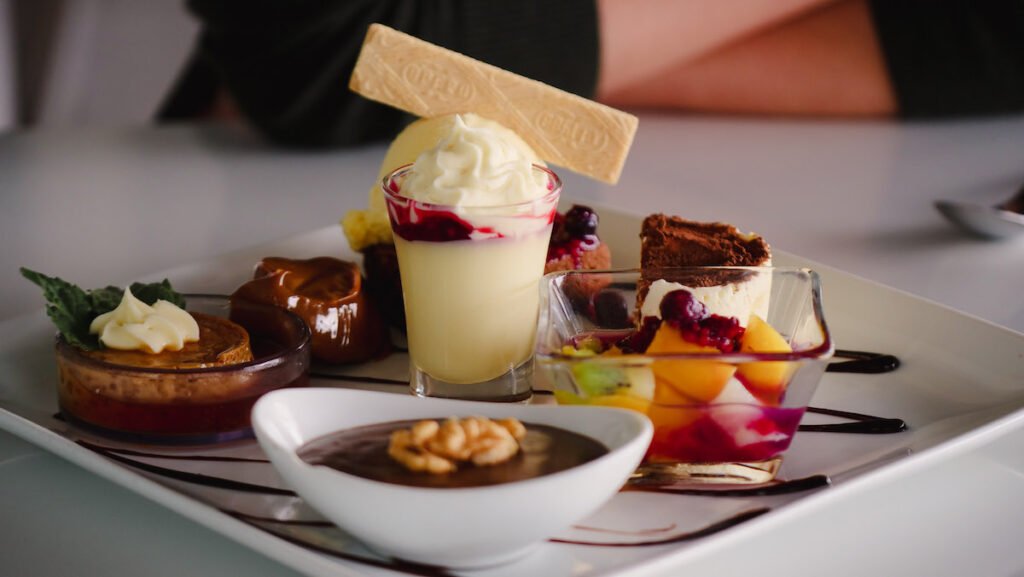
(105, 299)
(72, 309)
(69, 308)
(150, 293)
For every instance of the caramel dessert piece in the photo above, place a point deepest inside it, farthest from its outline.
(327, 293)
(221, 342)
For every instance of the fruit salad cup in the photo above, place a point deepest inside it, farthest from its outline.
(725, 393)
(469, 281)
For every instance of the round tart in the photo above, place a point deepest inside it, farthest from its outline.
(221, 342)
(203, 393)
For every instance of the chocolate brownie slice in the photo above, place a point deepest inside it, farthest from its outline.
(671, 242)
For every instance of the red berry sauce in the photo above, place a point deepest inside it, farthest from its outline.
(420, 221)
(726, 433)
(683, 311)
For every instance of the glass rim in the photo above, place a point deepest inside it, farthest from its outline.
(821, 352)
(389, 190)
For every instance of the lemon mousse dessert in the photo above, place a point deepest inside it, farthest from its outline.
(471, 220)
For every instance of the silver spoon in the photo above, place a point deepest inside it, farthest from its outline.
(1004, 220)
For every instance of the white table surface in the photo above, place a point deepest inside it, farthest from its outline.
(103, 206)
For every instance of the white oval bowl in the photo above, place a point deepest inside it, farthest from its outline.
(458, 527)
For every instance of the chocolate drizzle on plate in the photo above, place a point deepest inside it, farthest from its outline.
(863, 362)
(186, 476)
(319, 547)
(861, 424)
(778, 487)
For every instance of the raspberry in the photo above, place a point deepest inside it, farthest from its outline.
(723, 333)
(638, 341)
(680, 307)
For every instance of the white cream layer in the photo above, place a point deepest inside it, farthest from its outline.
(738, 300)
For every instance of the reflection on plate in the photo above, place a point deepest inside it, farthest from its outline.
(960, 382)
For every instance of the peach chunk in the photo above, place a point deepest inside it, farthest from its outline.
(622, 401)
(685, 382)
(766, 380)
(668, 420)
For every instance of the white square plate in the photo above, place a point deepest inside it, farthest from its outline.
(961, 383)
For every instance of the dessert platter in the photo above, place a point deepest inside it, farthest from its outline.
(670, 386)
(957, 386)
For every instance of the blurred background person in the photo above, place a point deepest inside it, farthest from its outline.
(282, 66)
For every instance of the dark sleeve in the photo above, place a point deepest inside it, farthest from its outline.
(286, 64)
(953, 57)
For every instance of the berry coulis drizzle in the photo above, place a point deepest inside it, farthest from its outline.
(416, 221)
(412, 223)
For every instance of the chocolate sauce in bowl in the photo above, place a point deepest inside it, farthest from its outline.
(362, 451)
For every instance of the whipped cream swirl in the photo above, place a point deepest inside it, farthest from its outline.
(134, 325)
(479, 165)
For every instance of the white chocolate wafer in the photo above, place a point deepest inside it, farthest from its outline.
(427, 80)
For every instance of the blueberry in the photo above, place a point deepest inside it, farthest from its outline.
(581, 221)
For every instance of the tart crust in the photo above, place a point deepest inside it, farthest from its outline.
(221, 342)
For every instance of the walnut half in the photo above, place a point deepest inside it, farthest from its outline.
(437, 448)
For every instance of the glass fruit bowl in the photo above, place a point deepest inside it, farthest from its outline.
(724, 375)
(190, 404)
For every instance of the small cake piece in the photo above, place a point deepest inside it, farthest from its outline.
(327, 293)
(575, 244)
(669, 242)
